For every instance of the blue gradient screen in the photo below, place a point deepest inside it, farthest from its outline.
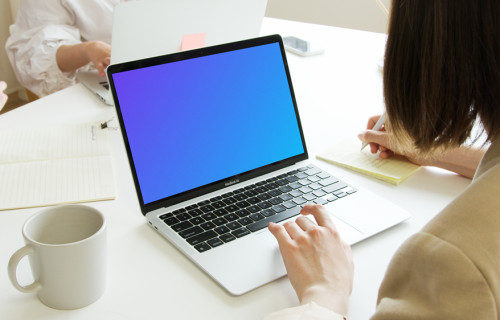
(193, 122)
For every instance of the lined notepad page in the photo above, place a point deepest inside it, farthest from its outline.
(346, 154)
(55, 165)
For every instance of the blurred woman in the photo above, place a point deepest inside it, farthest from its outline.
(52, 39)
(3, 96)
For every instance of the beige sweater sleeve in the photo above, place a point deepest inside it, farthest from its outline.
(449, 270)
(431, 279)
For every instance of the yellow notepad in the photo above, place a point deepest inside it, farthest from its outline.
(346, 154)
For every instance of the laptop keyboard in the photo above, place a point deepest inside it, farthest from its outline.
(104, 84)
(211, 223)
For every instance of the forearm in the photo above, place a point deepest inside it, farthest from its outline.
(463, 160)
(72, 57)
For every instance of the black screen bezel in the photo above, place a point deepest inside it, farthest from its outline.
(184, 55)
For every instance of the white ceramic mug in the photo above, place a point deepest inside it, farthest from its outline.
(66, 246)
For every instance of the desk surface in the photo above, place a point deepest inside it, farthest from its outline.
(149, 279)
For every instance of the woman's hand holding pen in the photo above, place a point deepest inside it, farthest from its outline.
(462, 160)
(380, 141)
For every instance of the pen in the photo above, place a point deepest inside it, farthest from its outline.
(377, 126)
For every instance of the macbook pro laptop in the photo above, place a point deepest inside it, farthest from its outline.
(97, 84)
(216, 149)
(148, 28)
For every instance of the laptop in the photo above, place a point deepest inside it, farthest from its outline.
(97, 84)
(151, 28)
(216, 149)
(148, 28)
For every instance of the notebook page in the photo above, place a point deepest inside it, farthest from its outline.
(55, 165)
(54, 142)
(52, 182)
(346, 153)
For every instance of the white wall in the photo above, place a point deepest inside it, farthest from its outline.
(353, 14)
(6, 72)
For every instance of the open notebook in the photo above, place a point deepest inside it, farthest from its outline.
(346, 154)
(55, 165)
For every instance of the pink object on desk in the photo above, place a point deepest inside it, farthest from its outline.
(193, 41)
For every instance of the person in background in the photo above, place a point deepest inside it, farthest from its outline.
(52, 39)
(3, 96)
(441, 78)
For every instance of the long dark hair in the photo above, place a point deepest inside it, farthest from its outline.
(442, 71)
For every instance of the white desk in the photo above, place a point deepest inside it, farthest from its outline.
(149, 279)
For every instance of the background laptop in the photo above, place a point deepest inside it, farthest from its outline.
(96, 84)
(216, 149)
(149, 28)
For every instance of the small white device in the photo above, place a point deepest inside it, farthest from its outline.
(301, 47)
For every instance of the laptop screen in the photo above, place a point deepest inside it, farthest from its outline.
(196, 121)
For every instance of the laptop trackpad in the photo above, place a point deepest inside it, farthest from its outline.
(348, 233)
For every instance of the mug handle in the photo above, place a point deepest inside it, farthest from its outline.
(13, 263)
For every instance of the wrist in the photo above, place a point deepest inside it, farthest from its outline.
(334, 299)
(461, 160)
(87, 49)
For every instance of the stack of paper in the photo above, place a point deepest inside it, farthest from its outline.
(55, 165)
(346, 154)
